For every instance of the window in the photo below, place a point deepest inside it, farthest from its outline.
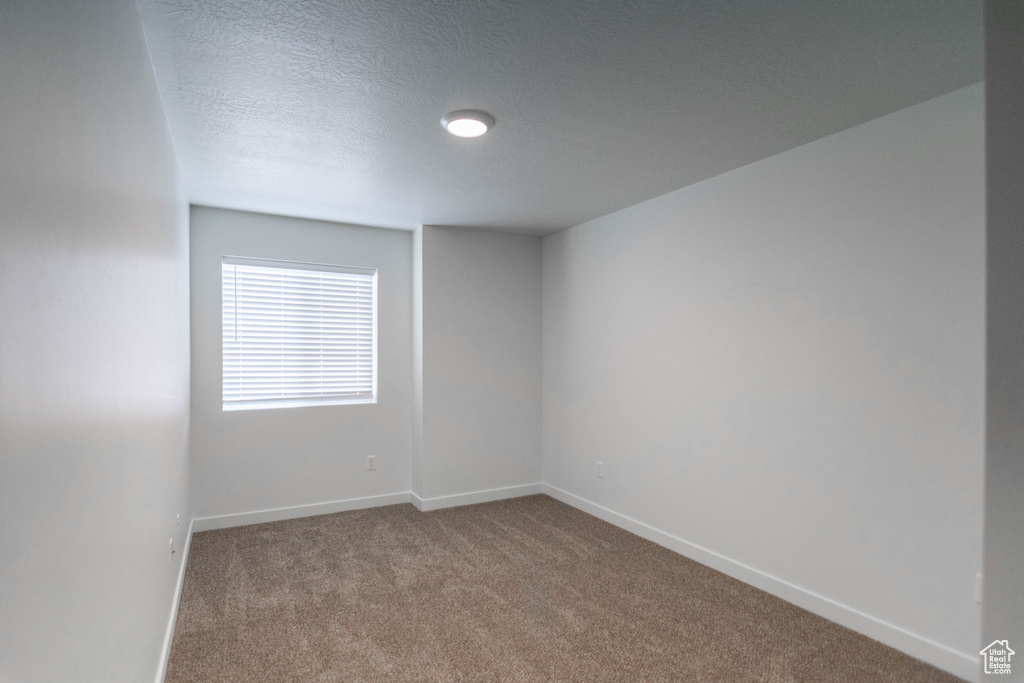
(298, 334)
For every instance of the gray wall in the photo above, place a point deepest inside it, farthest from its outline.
(783, 367)
(255, 460)
(94, 349)
(481, 345)
(1004, 474)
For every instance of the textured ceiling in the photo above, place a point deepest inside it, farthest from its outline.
(330, 108)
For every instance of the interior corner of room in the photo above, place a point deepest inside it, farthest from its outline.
(802, 370)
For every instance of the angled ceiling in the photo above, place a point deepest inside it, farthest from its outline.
(330, 108)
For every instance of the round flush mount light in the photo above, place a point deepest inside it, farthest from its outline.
(467, 123)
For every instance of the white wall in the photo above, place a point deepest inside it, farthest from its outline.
(481, 363)
(93, 347)
(416, 465)
(256, 460)
(1004, 477)
(784, 365)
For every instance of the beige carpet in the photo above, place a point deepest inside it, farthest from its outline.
(527, 589)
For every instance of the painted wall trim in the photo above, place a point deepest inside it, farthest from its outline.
(438, 502)
(165, 652)
(958, 663)
(296, 511)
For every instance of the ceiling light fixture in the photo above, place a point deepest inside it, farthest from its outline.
(467, 123)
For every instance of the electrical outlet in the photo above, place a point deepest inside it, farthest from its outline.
(172, 551)
(371, 462)
(177, 521)
(600, 469)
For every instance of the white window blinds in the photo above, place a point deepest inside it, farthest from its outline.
(298, 334)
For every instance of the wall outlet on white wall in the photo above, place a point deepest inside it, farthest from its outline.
(600, 469)
(177, 521)
(371, 462)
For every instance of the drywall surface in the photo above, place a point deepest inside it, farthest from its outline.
(784, 365)
(1003, 613)
(93, 347)
(416, 464)
(253, 460)
(329, 108)
(481, 346)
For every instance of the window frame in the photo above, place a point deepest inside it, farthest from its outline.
(310, 400)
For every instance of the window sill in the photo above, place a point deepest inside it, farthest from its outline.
(299, 403)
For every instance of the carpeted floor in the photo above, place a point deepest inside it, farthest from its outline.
(527, 589)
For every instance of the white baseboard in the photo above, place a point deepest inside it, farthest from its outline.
(960, 664)
(165, 652)
(423, 504)
(296, 511)
(427, 504)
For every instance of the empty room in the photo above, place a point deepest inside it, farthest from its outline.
(511, 340)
